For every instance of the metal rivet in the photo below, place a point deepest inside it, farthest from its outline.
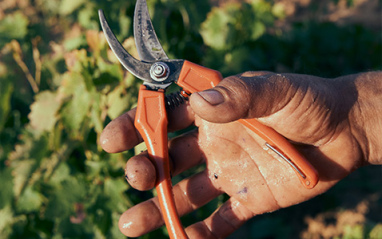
(159, 71)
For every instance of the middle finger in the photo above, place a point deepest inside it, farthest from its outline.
(184, 153)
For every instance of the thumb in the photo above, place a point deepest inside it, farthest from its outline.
(248, 95)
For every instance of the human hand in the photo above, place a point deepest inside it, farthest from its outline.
(314, 113)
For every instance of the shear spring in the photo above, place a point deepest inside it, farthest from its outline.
(176, 99)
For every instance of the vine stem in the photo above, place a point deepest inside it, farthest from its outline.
(17, 57)
(37, 59)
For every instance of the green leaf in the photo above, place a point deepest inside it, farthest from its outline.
(376, 232)
(57, 208)
(258, 29)
(114, 189)
(6, 195)
(109, 77)
(114, 70)
(85, 17)
(62, 200)
(96, 118)
(69, 84)
(236, 58)
(93, 168)
(21, 173)
(263, 11)
(114, 231)
(68, 6)
(29, 201)
(353, 231)
(6, 216)
(125, 23)
(76, 230)
(228, 27)
(74, 112)
(118, 102)
(6, 89)
(103, 220)
(26, 158)
(44, 110)
(215, 29)
(278, 10)
(13, 26)
(60, 174)
(77, 188)
(74, 43)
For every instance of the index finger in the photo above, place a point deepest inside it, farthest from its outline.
(120, 134)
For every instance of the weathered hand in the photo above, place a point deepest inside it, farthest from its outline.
(316, 114)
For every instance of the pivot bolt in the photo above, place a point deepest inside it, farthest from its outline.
(159, 71)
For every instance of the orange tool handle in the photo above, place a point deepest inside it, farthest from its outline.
(151, 122)
(305, 171)
(195, 78)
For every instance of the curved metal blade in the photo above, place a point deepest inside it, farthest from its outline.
(148, 45)
(137, 68)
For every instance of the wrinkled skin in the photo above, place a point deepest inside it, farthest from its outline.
(318, 115)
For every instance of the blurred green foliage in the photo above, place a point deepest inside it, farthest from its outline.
(60, 85)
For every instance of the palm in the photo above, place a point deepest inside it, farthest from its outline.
(238, 165)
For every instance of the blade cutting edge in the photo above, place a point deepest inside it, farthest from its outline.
(136, 67)
(146, 40)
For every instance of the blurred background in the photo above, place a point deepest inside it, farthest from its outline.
(60, 85)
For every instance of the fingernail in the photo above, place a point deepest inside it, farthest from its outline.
(213, 97)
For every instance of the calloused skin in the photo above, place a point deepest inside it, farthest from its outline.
(334, 123)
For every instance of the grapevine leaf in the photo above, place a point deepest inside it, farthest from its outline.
(74, 112)
(93, 168)
(278, 10)
(96, 40)
(6, 90)
(57, 208)
(26, 158)
(74, 42)
(29, 201)
(60, 174)
(69, 84)
(13, 26)
(43, 114)
(114, 230)
(63, 198)
(96, 117)
(118, 102)
(110, 75)
(258, 29)
(68, 6)
(6, 216)
(104, 220)
(114, 189)
(376, 232)
(21, 174)
(215, 29)
(86, 17)
(74, 60)
(6, 194)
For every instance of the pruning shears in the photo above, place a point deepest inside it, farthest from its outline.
(158, 72)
